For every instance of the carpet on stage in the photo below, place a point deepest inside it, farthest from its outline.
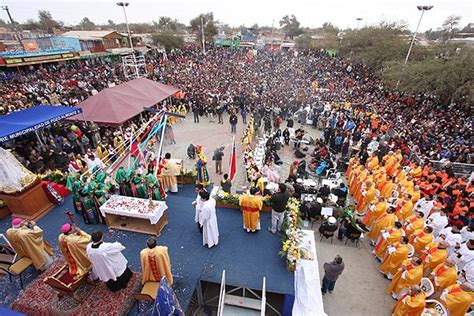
(41, 299)
(247, 258)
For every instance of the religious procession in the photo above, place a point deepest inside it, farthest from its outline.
(166, 169)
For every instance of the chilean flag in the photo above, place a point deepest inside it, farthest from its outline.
(233, 163)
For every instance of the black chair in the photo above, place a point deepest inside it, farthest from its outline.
(327, 232)
(354, 237)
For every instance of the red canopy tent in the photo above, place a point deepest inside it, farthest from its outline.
(120, 103)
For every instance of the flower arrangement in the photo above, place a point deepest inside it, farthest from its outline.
(228, 198)
(291, 237)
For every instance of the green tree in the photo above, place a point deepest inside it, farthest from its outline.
(450, 77)
(210, 27)
(290, 26)
(46, 21)
(86, 24)
(375, 46)
(111, 24)
(450, 24)
(167, 24)
(168, 41)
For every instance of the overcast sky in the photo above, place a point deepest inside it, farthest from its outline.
(310, 13)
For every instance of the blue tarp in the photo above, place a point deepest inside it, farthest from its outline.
(31, 119)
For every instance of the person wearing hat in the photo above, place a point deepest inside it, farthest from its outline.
(155, 262)
(73, 243)
(328, 227)
(332, 271)
(27, 240)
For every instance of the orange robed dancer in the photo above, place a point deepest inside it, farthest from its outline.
(434, 255)
(457, 298)
(366, 198)
(352, 163)
(372, 161)
(412, 304)
(384, 221)
(420, 239)
(414, 223)
(251, 205)
(444, 275)
(374, 211)
(405, 208)
(409, 274)
(396, 254)
(388, 238)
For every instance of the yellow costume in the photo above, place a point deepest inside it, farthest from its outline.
(169, 171)
(420, 240)
(456, 300)
(156, 264)
(385, 221)
(394, 260)
(410, 305)
(73, 246)
(366, 199)
(372, 162)
(408, 276)
(251, 206)
(379, 208)
(389, 238)
(444, 276)
(434, 257)
(405, 210)
(412, 224)
(28, 242)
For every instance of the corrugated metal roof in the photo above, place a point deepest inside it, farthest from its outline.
(87, 35)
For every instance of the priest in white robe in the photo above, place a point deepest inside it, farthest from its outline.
(208, 220)
(438, 220)
(108, 263)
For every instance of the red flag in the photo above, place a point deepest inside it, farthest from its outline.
(233, 163)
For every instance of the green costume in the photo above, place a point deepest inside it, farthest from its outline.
(74, 185)
(140, 188)
(123, 180)
(154, 188)
(91, 213)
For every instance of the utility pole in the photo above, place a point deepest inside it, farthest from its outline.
(202, 36)
(358, 22)
(14, 26)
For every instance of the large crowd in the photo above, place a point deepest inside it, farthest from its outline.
(271, 84)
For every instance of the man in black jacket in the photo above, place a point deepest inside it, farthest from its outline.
(279, 200)
(233, 122)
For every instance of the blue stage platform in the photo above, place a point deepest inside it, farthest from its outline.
(247, 258)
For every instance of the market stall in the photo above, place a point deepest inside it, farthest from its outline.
(134, 214)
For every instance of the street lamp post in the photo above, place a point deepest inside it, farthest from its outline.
(123, 5)
(422, 8)
(358, 21)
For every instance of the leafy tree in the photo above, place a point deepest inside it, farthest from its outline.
(86, 24)
(111, 24)
(168, 41)
(451, 77)
(167, 24)
(46, 21)
(374, 46)
(305, 41)
(290, 26)
(31, 25)
(210, 27)
(328, 27)
(450, 24)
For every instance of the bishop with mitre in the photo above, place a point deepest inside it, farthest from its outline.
(73, 244)
(155, 263)
(26, 239)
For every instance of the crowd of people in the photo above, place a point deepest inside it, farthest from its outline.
(271, 85)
